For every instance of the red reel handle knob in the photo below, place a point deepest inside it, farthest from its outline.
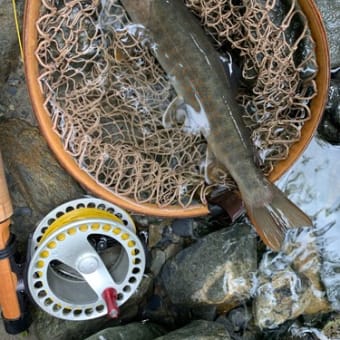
(110, 297)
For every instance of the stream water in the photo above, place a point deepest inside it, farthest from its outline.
(313, 183)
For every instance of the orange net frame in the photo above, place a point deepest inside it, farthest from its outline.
(106, 93)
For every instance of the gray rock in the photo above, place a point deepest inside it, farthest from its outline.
(216, 270)
(9, 47)
(330, 11)
(130, 331)
(143, 291)
(240, 324)
(158, 258)
(184, 227)
(289, 282)
(156, 232)
(330, 269)
(332, 328)
(198, 330)
(49, 327)
(36, 181)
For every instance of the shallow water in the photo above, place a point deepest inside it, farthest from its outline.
(313, 183)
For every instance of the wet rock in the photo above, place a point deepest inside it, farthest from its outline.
(332, 328)
(330, 270)
(198, 330)
(37, 183)
(46, 326)
(14, 99)
(204, 312)
(305, 332)
(216, 270)
(184, 227)
(158, 258)
(140, 331)
(239, 323)
(130, 308)
(9, 47)
(168, 245)
(155, 234)
(329, 128)
(289, 282)
(330, 11)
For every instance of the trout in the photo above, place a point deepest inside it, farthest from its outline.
(187, 55)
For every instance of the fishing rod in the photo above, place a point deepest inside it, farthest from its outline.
(12, 295)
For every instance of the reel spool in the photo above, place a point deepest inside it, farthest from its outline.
(86, 260)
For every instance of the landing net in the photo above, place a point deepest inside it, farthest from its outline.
(106, 93)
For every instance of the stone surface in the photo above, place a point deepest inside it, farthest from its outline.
(216, 270)
(130, 308)
(131, 331)
(332, 328)
(14, 99)
(48, 327)
(9, 51)
(198, 330)
(289, 282)
(36, 181)
(329, 128)
(330, 11)
(330, 269)
(239, 323)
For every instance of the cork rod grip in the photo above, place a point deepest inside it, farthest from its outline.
(6, 209)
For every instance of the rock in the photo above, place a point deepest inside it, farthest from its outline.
(330, 270)
(36, 181)
(289, 282)
(330, 11)
(204, 312)
(216, 270)
(198, 330)
(329, 128)
(14, 99)
(168, 245)
(332, 328)
(46, 326)
(140, 331)
(240, 324)
(9, 47)
(155, 234)
(158, 258)
(184, 227)
(130, 308)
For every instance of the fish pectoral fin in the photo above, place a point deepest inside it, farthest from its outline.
(213, 169)
(174, 113)
(272, 220)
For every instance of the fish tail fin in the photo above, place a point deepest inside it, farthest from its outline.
(271, 220)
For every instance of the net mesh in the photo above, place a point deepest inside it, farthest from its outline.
(106, 93)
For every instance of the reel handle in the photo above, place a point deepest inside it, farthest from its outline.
(14, 318)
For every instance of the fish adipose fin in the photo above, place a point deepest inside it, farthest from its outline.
(272, 220)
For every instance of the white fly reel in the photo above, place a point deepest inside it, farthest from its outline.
(86, 260)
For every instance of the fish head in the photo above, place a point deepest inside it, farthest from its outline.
(139, 11)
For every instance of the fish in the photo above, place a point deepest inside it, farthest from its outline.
(187, 55)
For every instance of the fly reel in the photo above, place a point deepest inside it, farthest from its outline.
(86, 260)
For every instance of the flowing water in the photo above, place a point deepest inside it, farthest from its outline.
(313, 183)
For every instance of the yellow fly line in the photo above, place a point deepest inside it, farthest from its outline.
(17, 29)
